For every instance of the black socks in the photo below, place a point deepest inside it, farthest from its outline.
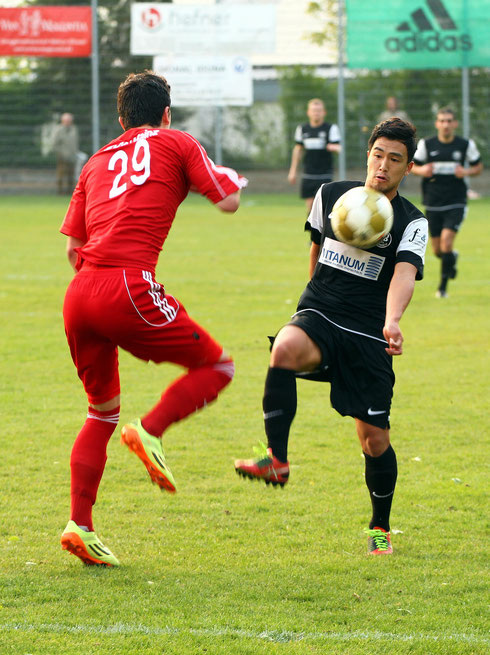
(279, 404)
(448, 261)
(381, 473)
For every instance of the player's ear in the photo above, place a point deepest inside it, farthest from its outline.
(409, 167)
(121, 124)
(166, 118)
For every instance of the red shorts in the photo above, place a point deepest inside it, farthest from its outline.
(107, 307)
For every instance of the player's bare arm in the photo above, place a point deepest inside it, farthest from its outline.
(230, 203)
(399, 295)
(461, 171)
(71, 244)
(334, 147)
(295, 159)
(424, 170)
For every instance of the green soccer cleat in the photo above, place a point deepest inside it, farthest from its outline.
(87, 546)
(150, 451)
(379, 542)
(264, 466)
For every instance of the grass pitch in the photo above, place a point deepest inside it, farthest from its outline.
(228, 566)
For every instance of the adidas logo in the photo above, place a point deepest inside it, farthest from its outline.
(422, 33)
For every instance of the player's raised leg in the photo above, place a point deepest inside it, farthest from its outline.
(184, 342)
(293, 350)
(186, 395)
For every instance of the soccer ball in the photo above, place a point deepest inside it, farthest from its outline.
(361, 217)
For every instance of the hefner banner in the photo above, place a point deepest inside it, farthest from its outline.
(222, 29)
(418, 34)
(46, 31)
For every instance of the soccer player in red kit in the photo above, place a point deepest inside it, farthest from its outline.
(118, 219)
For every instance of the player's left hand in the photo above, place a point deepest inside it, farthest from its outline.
(459, 171)
(394, 337)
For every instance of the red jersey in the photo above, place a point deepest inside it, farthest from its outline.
(128, 193)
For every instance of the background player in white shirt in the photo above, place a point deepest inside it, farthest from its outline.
(316, 140)
(444, 161)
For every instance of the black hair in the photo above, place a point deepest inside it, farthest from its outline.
(396, 129)
(142, 99)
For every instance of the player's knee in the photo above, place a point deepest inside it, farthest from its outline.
(108, 405)
(226, 368)
(374, 440)
(293, 349)
(286, 353)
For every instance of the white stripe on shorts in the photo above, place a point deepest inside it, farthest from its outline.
(362, 334)
(161, 303)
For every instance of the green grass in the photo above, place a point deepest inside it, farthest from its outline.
(227, 566)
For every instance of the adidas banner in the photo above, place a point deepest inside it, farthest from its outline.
(418, 33)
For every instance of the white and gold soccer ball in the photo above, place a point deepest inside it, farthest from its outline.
(361, 217)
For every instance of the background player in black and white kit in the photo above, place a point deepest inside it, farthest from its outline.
(347, 327)
(317, 139)
(444, 161)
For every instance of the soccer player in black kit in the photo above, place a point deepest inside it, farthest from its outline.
(346, 328)
(444, 161)
(317, 139)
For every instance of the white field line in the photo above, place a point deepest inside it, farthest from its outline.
(266, 635)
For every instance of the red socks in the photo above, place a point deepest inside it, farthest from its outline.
(88, 458)
(187, 394)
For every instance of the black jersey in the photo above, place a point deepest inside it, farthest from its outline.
(444, 190)
(349, 285)
(317, 161)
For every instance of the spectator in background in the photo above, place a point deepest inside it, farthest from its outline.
(65, 148)
(319, 140)
(392, 110)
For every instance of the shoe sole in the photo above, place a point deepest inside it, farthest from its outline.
(131, 438)
(381, 552)
(250, 476)
(73, 543)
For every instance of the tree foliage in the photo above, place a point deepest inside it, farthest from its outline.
(298, 84)
(326, 12)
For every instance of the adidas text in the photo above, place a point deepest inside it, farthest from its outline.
(432, 43)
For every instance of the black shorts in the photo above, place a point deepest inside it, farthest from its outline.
(309, 186)
(359, 369)
(450, 219)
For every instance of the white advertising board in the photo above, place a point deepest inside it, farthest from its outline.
(212, 81)
(163, 29)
